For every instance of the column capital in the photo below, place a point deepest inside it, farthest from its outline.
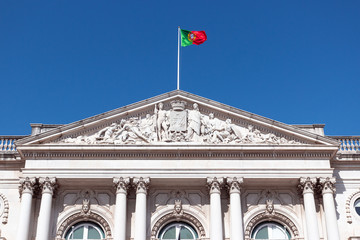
(141, 184)
(27, 185)
(326, 185)
(307, 184)
(47, 185)
(234, 184)
(121, 184)
(215, 184)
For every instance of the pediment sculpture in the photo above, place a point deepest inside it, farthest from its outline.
(178, 125)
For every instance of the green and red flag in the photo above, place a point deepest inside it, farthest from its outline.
(192, 37)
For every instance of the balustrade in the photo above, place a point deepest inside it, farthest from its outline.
(349, 144)
(7, 143)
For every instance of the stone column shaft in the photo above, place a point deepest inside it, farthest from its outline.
(26, 189)
(307, 185)
(328, 190)
(47, 186)
(122, 185)
(236, 220)
(216, 226)
(141, 185)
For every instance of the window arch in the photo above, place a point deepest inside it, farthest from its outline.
(270, 230)
(178, 231)
(85, 231)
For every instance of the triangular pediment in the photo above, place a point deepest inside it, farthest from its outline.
(177, 118)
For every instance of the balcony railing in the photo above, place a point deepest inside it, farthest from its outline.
(349, 144)
(7, 143)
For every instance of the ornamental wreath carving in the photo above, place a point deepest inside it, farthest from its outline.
(178, 214)
(80, 217)
(274, 216)
(4, 208)
(177, 125)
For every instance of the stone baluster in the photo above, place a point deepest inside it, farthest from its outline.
(236, 219)
(47, 186)
(26, 190)
(328, 189)
(307, 186)
(122, 185)
(141, 185)
(216, 226)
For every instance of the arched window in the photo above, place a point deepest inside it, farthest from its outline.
(270, 231)
(357, 206)
(178, 231)
(85, 231)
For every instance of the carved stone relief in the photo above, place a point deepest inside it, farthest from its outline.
(349, 206)
(265, 216)
(177, 125)
(269, 198)
(80, 216)
(4, 208)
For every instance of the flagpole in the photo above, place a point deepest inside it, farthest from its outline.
(178, 61)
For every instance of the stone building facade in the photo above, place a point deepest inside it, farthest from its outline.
(179, 166)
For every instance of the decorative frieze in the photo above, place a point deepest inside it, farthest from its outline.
(188, 154)
(141, 184)
(179, 124)
(121, 184)
(27, 185)
(47, 185)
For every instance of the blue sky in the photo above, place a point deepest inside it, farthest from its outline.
(296, 62)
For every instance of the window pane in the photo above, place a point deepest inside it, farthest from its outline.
(277, 233)
(185, 234)
(170, 233)
(357, 206)
(93, 233)
(262, 233)
(78, 233)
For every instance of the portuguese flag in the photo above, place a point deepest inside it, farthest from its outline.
(192, 37)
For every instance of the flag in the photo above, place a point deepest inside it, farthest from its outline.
(192, 37)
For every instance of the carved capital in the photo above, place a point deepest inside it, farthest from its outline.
(307, 185)
(141, 184)
(234, 184)
(215, 184)
(121, 184)
(326, 185)
(47, 185)
(27, 185)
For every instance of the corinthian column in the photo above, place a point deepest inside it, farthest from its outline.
(141, 185)
(216, 227)
(47, 186)
(307, 186)
(26, 190)
(122, 185)
(236, 220)
(328, 190)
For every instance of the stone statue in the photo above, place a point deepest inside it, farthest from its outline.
(162, 123)
(194, 122)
